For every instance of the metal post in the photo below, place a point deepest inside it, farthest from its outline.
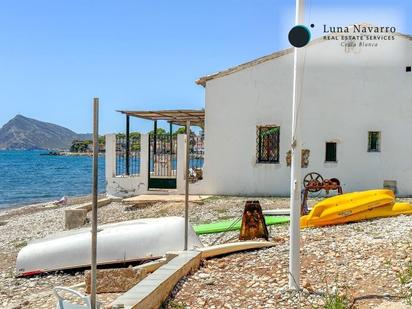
(171, 138)
(127, 145)
(94, 200)
(149, 158)
(187, 183)
(260, 144)
(295, 186)
(170, 168)
(155, 137)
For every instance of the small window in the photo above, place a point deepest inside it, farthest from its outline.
(374, 141)
(330, 152)
(267, 144)
(408, 69)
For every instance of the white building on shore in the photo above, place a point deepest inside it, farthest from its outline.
(356, 118)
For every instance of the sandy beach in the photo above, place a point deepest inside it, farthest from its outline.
(361, 262)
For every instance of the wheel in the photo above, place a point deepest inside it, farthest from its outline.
(313, 182)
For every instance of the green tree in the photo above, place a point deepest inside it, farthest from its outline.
(182, 130)
(135, 141)
(80, 146)
(102, 140)
(159, 131)
(134, 135)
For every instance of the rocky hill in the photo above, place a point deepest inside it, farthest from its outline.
(26, 133)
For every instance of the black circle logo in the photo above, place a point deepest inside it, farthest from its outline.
(299, 36)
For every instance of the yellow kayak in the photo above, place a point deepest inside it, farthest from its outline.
(337, 209)
(390, 210)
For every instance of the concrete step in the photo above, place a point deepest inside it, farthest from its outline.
(152, 291)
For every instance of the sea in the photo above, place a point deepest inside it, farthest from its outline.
(29, 177)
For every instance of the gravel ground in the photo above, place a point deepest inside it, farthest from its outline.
(355, 261)
(352, 260)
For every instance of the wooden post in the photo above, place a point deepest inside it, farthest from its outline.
(127, 144)
(94, 200)
(187, 184)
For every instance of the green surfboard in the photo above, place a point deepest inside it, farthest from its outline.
(233, 225)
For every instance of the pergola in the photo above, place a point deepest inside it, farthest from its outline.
(180, 117)
(177, 116)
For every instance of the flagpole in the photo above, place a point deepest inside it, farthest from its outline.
(187, 184)
(295, 181)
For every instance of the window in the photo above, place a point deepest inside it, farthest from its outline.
(374, 141)
(330, 152)
(267, 144)
(408, 69)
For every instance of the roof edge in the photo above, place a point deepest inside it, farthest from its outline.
(202, 80)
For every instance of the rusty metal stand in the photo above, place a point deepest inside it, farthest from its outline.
(314, 182)
(253, 222)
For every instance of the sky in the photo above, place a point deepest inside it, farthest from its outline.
(56, 55)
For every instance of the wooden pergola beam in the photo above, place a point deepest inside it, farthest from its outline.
(179, 117)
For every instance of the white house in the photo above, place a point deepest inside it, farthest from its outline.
(356, 117)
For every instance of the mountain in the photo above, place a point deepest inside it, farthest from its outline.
(26, 133)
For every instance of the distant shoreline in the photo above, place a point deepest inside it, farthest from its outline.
(48, 152)
(70, 154)
(21, 208)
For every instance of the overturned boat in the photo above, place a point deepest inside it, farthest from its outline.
(117, 243)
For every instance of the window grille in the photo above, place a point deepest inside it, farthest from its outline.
(267, 144)
(134, 154)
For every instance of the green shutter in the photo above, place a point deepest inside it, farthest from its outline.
(330, 152)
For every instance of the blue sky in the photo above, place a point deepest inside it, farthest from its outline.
(56, 55)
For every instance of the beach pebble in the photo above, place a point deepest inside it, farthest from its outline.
(366, 256)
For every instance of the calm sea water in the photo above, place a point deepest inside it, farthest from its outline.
(29, 177)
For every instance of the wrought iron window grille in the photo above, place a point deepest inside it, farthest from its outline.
(267, 144)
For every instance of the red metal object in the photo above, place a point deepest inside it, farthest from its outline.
(314, 182)
(32, 273)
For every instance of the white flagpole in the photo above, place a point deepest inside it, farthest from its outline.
(295, 181)
(187, 184)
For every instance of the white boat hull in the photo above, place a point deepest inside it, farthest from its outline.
(116, 243)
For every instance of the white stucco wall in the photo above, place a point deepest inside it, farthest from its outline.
(124, 186)
(345, 95)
